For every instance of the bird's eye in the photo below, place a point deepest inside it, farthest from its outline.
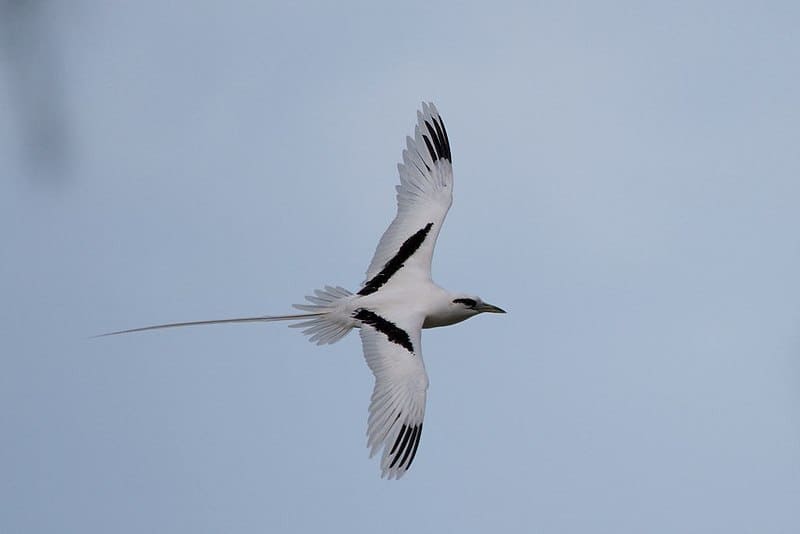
(469, 303)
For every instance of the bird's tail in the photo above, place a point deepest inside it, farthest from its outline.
(326, 323)
(260, 319)
(322, 322)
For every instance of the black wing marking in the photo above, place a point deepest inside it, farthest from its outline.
(430, 148)
(437, 142)
(407, 249)
(393, 333)
(410, 437)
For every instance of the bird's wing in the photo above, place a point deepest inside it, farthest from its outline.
(424, 195)
(392, 350)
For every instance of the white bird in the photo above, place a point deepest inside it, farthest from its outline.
(397, 300)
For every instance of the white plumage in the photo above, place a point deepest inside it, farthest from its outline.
(396, 301)
(424, 195)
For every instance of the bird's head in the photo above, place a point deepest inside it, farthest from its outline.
(470, 305)
(457, 308)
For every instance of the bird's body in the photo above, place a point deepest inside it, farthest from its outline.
(397, 300)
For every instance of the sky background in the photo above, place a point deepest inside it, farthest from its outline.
(627, 187)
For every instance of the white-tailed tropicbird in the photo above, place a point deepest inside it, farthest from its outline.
(397, 300)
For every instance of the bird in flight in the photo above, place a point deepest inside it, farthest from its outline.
(397, 300)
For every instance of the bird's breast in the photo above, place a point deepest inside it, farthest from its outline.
(437, 319)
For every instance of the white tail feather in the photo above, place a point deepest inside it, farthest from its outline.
(326, 324)
(261, 319)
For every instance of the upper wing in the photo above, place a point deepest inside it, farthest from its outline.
(424, 195)
(392, 351)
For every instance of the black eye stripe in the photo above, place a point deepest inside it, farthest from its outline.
(466, 302)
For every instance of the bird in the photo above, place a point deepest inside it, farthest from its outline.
(397, 300)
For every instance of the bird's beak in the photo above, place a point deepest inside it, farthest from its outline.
(488, 308)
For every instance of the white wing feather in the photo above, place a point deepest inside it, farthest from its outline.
(398, 399)
(424, 196)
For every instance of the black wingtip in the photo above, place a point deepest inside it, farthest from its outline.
(436, 139)
(431, 150)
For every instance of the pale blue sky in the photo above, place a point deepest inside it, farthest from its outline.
(627, 187)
